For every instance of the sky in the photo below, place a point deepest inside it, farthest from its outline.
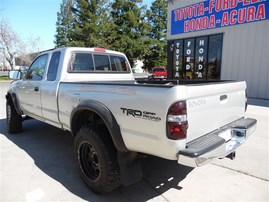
(34, 19)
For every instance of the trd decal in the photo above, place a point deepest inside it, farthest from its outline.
(151, 116)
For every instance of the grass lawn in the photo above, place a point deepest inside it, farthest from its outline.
(3, 78)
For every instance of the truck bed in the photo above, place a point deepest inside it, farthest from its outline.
(172, 82)
(205, 101)
(155, 83)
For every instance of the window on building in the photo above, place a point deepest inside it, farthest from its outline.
(214, 57)
(178, 59)
(189, 54)
(201, 53)
(197, 58)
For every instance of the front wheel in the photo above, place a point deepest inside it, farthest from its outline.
(96, 158)
(14, 120)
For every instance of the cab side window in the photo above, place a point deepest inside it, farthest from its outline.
(37, 69)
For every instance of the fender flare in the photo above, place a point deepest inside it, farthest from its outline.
(15, 102)
(102, 111)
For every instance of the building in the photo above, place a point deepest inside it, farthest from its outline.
(138, 64)
(220, 39)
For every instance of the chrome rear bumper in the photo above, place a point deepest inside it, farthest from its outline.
(217, 144)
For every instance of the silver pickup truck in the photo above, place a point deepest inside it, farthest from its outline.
(114, 118)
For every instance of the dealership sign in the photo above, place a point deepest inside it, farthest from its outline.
(212, 14)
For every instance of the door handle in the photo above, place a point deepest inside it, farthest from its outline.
(36, 89)
(223, 97)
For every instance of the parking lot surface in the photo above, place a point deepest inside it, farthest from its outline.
(38, 165)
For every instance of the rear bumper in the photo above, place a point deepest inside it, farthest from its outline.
(159, 77)
(217, 144)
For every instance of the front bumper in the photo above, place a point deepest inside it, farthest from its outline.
(217, 144)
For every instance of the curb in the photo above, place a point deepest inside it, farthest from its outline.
(5, 81)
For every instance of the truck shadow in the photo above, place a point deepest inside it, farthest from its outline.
(52, 152)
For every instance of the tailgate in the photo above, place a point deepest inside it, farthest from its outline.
(211, 106)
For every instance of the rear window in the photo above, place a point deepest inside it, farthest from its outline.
(158, 70)
(101, 63)
(81, 62)
(118, 64)
(91, 62)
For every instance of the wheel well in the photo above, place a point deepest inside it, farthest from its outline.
(85, 117)
(8, 97)
(11, 97)
(96, 114)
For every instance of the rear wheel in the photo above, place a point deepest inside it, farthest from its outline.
(96, 158)
(14, 120)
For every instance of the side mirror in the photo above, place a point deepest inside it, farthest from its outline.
(14, 75)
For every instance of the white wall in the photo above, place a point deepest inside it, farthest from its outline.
(245, 53)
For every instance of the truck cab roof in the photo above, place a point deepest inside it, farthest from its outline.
(89, 64)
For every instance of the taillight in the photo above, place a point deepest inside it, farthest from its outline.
(177, 122)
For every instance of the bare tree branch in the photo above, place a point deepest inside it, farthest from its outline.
(9, 41)
(12, 46)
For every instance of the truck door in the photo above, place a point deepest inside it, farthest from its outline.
(29, 90)
(50, 90)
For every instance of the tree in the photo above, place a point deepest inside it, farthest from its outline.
(64, 24)
(91, 24)
(29, 50)
(157, 17)
(122, 25)
(12, 46)
(130, 29)
(9, 41)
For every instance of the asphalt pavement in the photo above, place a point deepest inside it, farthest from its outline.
(38, 165)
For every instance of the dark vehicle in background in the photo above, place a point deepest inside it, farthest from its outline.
(158, 73)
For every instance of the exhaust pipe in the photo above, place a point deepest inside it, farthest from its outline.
(231, 156)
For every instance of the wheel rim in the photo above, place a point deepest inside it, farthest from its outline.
(89, 161)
